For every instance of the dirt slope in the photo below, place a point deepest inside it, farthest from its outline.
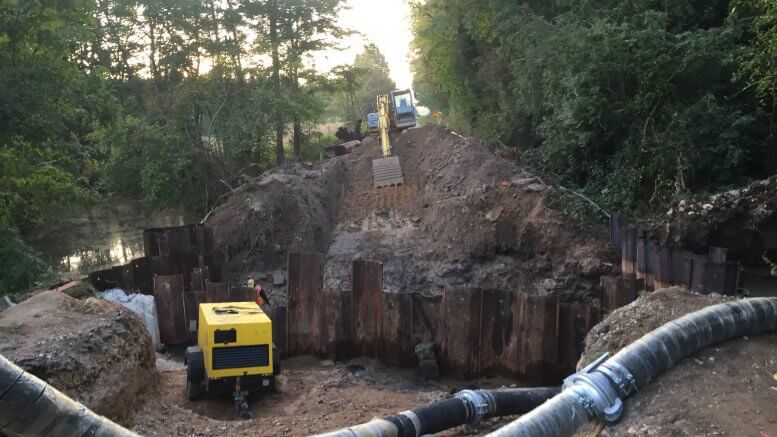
(464, 217)
(725, 390)
(94, 351)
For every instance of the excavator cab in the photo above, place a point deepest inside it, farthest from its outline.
(403, 110)
(386, 171)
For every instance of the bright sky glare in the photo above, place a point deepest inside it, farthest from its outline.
(386, 23)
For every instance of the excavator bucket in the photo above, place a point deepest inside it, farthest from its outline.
(387, 172)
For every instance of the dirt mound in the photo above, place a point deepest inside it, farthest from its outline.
(94, 351)
(725, 390)
(292, 209)
(464, 217)
(742, 220)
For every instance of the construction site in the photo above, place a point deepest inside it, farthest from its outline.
(395, 218)
(468, 275)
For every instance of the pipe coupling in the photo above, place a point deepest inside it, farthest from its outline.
(599, 388)
(479, 403)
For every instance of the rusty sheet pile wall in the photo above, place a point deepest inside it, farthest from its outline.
(648, 265)
(477, 331)
(181, 269)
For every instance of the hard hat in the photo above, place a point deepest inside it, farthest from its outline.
(250, 283)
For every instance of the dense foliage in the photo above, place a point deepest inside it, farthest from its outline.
(634, 102)
(173, 101)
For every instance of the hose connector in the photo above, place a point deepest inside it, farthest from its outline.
(479, 403)
(600, 388)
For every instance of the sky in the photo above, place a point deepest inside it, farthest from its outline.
(386, 23)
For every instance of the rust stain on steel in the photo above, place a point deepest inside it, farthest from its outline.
(629, 250)
(128, 278)
(279, 328)
(617, 222)
(575, 320)
(305, 272)
(498, 349)
(398, 348)
(216, 292)
(141, 268)
(367, 307)
(477, 331)
(199, 275)
(105, 279)
(151, 241)
(699, 274)
(191, 306)
(537, 336)
(641, 260)
(426, 314)
(662, 268)
(459, 350)
(681, 267)
(653, 261)
(168, 292)
(619, 291)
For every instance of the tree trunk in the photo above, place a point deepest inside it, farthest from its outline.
(297, 123)
(276, 78)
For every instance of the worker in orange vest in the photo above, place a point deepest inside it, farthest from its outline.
(261, 296)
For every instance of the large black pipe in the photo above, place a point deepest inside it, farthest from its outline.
(467, 407)
(30, 407)
(600, 388)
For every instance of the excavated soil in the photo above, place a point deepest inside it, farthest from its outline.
(729, 389)
(312, 397)
(464, 217)
(96, 352)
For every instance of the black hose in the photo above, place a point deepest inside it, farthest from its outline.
(599, 389)
(467, 407)
(30, 407)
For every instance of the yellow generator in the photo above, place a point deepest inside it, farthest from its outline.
(234, 353)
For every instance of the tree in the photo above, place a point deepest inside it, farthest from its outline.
(635, 103)
(377, 79)
(311, 26)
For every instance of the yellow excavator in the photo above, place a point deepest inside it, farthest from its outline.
(397, 112)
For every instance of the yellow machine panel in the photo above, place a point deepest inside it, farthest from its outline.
(236, 339)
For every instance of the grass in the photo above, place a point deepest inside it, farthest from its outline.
(13, 329)
(83, 289)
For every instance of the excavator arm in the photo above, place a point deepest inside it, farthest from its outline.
(387, 170)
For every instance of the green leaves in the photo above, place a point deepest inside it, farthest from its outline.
(22, 266)
(634, 101)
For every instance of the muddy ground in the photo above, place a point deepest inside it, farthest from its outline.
(729, 389)
(92, 350)
(464, 217)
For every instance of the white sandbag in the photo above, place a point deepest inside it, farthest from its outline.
(141, 304)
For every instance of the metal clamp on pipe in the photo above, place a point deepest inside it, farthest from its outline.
(599, 388)
(479, 403)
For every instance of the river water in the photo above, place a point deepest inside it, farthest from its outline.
(100, 236)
